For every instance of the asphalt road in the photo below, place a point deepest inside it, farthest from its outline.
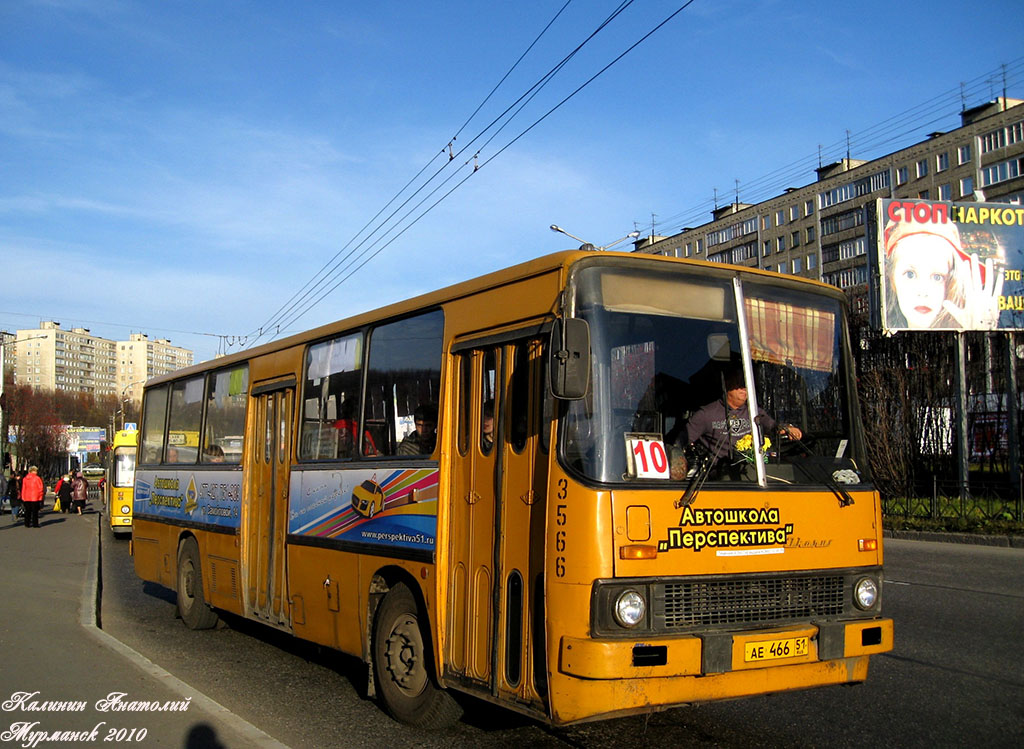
(955, 678)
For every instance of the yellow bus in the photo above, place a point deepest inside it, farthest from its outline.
(120, 486)
(552, 528)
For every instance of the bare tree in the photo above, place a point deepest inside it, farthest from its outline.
(39, 435)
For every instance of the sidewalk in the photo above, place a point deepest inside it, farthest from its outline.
(64, 681)
(952, 537)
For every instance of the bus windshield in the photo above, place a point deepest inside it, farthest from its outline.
(678, 377)
(124, 466)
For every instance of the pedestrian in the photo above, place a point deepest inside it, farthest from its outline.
(79, 492)
(32, 493)
(56, 493)
(64, 493)
(14, 494)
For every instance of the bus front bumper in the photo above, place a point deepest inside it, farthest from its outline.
(597, 679)
(723, 652)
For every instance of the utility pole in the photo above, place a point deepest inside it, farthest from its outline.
(3, 402)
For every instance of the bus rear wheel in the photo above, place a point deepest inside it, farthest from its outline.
(192, 604)
(402, 665)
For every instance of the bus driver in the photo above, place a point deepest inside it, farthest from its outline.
(718, 425)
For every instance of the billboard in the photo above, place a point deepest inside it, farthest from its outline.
(85, 439)
(949, 266)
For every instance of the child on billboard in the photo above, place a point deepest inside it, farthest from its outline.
(932, 282)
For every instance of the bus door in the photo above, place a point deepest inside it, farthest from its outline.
(265, 522)
(497, 521)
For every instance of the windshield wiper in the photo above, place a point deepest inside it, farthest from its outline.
(845, 500)
(705, 461)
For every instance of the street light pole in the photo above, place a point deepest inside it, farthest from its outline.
(631, 235)
(3, 407)
(587, 246)
(124, 391)
(584, 245)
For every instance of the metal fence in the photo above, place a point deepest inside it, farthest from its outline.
(947, 500)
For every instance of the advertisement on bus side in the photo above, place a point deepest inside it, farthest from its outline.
(396, 508)
(211, 497)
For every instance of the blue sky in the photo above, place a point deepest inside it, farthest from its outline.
(182, 169)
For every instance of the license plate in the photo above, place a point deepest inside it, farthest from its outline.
(768, 650)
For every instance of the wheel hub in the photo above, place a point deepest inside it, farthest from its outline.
(188, 577)
(403, 651)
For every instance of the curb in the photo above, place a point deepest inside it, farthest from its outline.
(89, 617)
(977, 539)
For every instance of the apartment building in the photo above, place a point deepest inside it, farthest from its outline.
(50, 357)
(819, 231)
(139, 359)
(56, 359)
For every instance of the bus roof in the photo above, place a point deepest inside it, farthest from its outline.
(126, 437)
(558, 261)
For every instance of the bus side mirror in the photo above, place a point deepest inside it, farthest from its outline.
(569, 358)
(718, 347)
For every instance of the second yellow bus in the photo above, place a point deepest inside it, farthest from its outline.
(120, 488)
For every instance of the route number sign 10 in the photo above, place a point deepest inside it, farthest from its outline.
(648, 457)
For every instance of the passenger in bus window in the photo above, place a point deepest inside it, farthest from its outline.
(214, 454)
(718, 425)
(422, 440)
(348, 429)
(172, 455)
(487, 427)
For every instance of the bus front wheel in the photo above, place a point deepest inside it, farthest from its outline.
(401, 665)
(191, 601)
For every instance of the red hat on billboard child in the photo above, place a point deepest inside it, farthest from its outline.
(947, 231)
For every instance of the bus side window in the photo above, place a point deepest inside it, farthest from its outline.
(185, 420)
(330, 401)
(403, 384)
(520, 409)
(154, 421)
(464, 367)
(225, 416)
(487, 400)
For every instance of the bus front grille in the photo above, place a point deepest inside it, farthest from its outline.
(752, 601)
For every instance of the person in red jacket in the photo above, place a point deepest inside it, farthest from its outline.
(32, 493)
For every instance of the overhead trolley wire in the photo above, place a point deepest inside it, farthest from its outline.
(873, 137)
(339, 266)
(275, 324)
(477, 166)
(305, 290)
(892, 129)
(510, 70)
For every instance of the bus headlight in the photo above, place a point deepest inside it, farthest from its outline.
(630, 608)
(865, 593)
(125, 509)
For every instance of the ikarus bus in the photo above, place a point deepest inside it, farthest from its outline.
(537, 488)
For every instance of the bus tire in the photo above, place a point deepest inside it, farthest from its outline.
(402, 665)
(192, 606)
